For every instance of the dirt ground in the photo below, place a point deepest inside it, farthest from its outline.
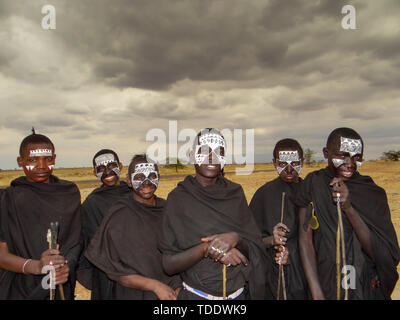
(385, 174)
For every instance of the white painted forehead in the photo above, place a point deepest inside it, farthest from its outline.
(352, 146)
(104, 159)
(144, 167)
(40, 153)
(288, 156)
(212, 139)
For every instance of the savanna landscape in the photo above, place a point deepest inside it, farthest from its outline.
(385, 173)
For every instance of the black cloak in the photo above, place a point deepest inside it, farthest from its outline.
(370, 201)
(93, 210)
(126, 243)
(27, 208)
(266, 207)
(193, 212)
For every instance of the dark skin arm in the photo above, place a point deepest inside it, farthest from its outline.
(224, 242)
(359, 226)
(136, 281)
(13, 263)
(308, 258)
(176, 263)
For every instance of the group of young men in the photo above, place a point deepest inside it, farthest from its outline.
(329, 236)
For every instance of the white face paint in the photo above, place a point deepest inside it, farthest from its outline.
(289, 157)
(41, 153)
(146, 169)
(51, 167)
(352, 146)
(104, 160)
(209, 141)
(30, 168)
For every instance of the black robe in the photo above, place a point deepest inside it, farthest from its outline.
(371, 203)
(266, 207)
(126, 243)
(27, 208)
(193, 212)
(93, 210)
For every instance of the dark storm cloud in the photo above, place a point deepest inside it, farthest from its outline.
(115, 69)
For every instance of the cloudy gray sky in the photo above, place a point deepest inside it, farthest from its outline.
(113, 70)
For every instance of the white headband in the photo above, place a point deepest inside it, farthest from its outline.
(41, 153)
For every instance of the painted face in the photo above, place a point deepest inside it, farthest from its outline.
(107, 168)
(288, 165)
(145, 174)
(348, 157)
(37, 162)
(210, 150)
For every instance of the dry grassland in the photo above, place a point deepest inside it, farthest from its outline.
(385, 174)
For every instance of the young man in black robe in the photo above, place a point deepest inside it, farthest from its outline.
(28, 207)
(361, 225)
(107, 167)
(125, 246)
(266, 206)
(208, 227)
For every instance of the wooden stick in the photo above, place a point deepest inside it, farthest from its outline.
(224, 282)
(52, 240)
(281, 273)
(340, 223)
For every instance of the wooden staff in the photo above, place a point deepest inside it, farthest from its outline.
(281, 273)
(340, 235)
(52, 240)
(224, 281)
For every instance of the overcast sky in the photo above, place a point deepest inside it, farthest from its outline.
(113, 70)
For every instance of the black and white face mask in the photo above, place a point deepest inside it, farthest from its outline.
(286, 158)
(353, 147)
(210, 143)
(106, 162)
(144, 172)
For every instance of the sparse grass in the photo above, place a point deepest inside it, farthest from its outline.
(385, 173)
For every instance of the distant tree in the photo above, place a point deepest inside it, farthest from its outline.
(174, 163)
(391, 155)
(308, 154)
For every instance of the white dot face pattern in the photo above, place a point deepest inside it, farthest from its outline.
(41, 153)
(146, 169)
(289, 157)
(209, 141)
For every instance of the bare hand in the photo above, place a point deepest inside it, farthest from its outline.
(220, 244)
(233, 258)
(279, 234)
(50, 257)
(282, 255)
(339, 189)
(62, 273)
(164, 292)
